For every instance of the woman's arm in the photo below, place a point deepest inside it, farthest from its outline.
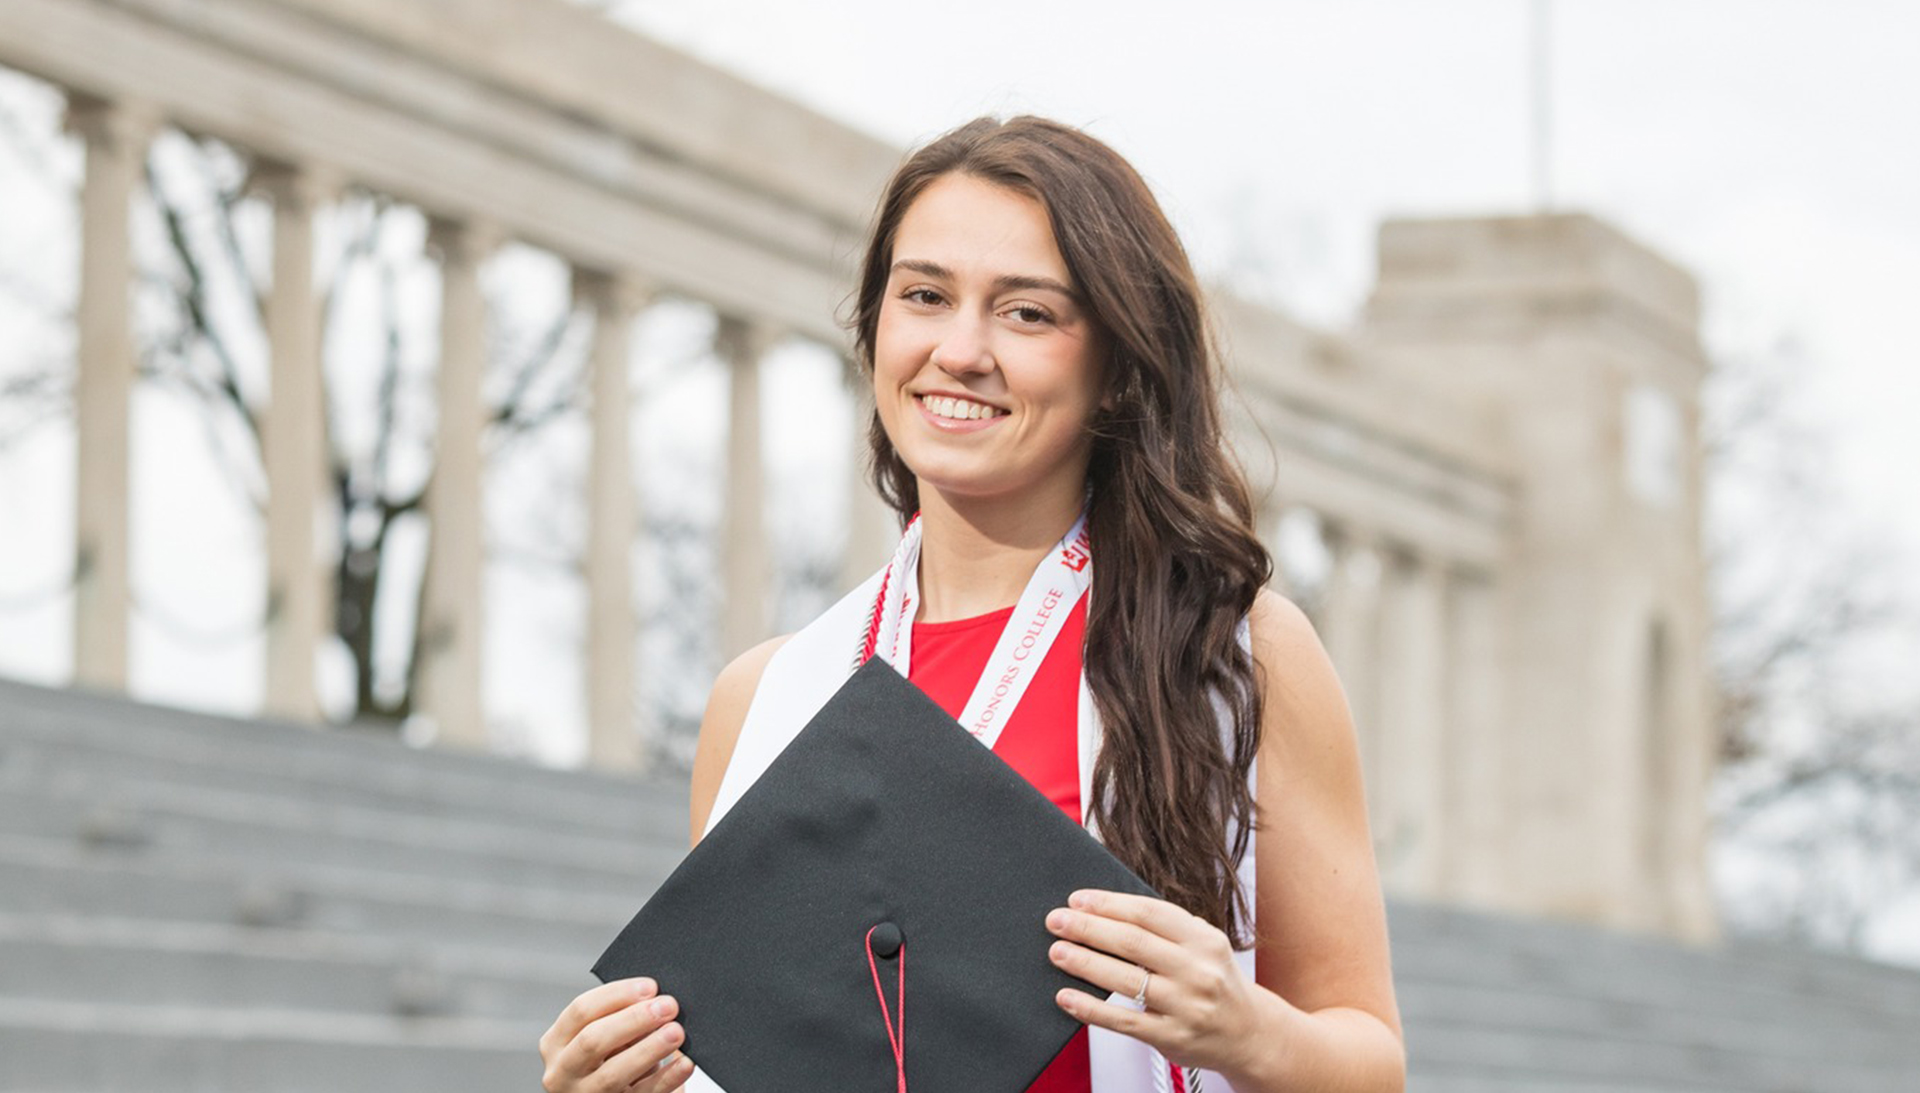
(1320, 1014)
(1332, 1020)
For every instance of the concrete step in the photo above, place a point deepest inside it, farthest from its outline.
(113, 1048)
(466, 830)
(1429, 926)
(1439, 923)
(267, 833)
(1571, 958)
(86, 958)
(50, 877)
(361, 762)
(653, 805)
(1480, 1081)
(1731, 991)
(1533, 1058)
(1826, 973)
(1800, 1033)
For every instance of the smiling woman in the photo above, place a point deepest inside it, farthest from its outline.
(1046, 425)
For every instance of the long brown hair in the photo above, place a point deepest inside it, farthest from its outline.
(1176, 562)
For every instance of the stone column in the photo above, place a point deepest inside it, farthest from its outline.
(1695, 753)
(745, 568)
(1412, 706)
(1350, 629)
(1651, 787)
(295, 443)
(1474, 859)
(116, 137)
(872, 528)
(613, 740)
(448, 675)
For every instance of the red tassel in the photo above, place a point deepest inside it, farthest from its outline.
(896, 1038)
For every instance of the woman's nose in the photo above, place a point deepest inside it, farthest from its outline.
(963, 347)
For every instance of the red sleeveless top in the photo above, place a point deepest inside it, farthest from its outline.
(1041, 741)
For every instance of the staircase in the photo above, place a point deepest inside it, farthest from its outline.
(1502, 1005)
(195, 903)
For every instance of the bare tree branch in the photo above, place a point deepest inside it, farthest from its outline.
(1818, 780)
(193, 298)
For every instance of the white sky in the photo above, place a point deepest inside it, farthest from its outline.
(1772, 146)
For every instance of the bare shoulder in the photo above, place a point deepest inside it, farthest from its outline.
(1299, 689)
(1278, 621)
(720, 726)
(1309, 749)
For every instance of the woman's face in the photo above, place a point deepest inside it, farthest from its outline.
(987, 369)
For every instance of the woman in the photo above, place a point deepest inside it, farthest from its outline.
(1045, 390)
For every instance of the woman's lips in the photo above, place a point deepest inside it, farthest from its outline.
(950, 405)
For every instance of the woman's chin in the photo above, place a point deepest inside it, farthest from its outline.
(963, 490)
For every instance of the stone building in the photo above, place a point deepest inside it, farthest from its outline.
(1501, 460)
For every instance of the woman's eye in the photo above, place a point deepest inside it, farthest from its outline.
(1032, 315)
(921, 296)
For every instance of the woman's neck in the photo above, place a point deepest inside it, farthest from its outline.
(977, 556)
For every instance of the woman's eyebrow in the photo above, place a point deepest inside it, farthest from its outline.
(1001, 283)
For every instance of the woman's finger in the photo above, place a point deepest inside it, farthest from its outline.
(589, 1007)
(1089, 1010)
(1122, 939)
(596, 1047)
(645, 1065)
(668, 1076)
(1156, 916)
(1116, 975)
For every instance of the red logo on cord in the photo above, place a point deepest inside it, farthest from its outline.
(1077, 554)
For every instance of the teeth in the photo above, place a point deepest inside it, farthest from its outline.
(958, 409)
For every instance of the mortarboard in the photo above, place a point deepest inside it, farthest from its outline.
(883, 855)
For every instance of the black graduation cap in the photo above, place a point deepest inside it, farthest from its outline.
(883, 827)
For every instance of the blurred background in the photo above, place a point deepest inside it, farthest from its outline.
(465, 377)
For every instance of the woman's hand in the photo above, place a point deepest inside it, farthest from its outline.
(1202, 1010)
(617, 1036)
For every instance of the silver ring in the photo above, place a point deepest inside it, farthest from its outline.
(1140, 996)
